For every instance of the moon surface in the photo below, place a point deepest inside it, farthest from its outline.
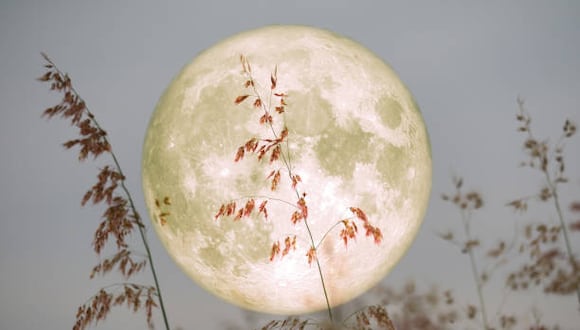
(355, 137)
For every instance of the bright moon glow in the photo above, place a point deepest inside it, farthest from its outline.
(356, 138)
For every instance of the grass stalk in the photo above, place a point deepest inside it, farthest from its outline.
(475, 271)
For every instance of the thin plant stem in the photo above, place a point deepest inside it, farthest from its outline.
(474, 270)
(326, 234)
(329, 309)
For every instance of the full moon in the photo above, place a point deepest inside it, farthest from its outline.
(354, 140)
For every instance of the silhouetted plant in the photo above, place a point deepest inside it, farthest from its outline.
(274, 147)
(119, 220)
(554, 268)
(549, 265)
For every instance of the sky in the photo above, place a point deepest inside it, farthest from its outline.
(465, 63)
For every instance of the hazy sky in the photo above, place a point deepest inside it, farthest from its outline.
(465, 65)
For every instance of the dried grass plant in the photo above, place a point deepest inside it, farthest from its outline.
(552, 264)
(273, 147)
(120, 218)
(548, 262)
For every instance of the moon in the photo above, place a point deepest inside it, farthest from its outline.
(355, 137)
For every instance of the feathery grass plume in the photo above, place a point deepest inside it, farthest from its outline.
(552, 264)
(120, 218)
(273, 147)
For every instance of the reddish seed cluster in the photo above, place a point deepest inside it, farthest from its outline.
(162, 215)
(311, 255)
(289, 244)
(274, 176)
(272, 146)
(231, 209)
(301, 213)
(371, 230)
(349, 231)
(92, 139)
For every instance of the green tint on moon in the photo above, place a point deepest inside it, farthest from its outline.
(356, 138)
